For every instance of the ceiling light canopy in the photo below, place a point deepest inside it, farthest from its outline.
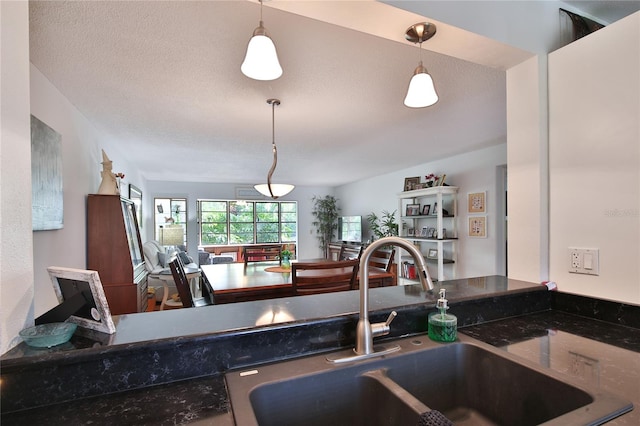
(261, 61)
(421, 92)
(268, 189)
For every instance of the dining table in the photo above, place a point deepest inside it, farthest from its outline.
(237, 282)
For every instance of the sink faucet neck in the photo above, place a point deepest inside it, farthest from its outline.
(365, 331)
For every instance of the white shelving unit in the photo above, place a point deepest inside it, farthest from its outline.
(434, 231)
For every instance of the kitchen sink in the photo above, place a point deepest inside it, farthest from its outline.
(470, 382)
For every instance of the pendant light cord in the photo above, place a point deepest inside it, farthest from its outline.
(273, 103)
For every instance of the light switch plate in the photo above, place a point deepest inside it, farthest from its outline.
(584, 261)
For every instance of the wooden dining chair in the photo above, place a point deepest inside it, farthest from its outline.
(182, 284)
(350, 252)
(382, 258)
(323, 277)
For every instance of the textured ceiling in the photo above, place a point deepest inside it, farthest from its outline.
(162, 81)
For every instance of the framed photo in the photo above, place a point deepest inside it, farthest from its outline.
(425, 209)
(477, 202)
(135, 195)
(83, 287)
(413, 210)
(411, 182)
(478, 226)
(424, 232)
(432, 254)
(411, 232)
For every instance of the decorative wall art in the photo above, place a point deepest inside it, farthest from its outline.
(46, 177)
(478, 226)
(477, 202)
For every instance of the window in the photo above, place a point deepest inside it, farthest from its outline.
(247, 222)
(213, 217)
(170, 214)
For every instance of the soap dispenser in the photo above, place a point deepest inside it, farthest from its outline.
(442, 326)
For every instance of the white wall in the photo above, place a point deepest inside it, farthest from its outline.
(81, 158)
(594, 87)
(472, 172)
(307, 242)
(16, 257)
(527, 163)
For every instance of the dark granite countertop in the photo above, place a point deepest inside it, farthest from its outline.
(599, 354)
(134, 329)
(545, 338)
(152, 373)
(201, 401)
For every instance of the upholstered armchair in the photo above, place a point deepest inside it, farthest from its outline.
(157, 263)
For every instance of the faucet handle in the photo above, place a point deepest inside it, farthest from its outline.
(391, 317)
(382, 328)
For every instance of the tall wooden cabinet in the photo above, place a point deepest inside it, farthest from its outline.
(114, 249)
(433, 229)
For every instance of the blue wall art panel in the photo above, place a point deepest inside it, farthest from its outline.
(46, 177)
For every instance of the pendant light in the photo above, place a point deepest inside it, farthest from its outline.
(421, 92)
(268, 189)
(261, 61)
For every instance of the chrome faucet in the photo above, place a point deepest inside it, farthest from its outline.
(366, 331)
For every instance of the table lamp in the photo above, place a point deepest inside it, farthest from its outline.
(172, 236)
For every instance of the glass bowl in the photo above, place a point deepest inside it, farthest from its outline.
(48, 335)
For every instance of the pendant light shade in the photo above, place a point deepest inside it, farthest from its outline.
(277, 189)
(273, 190)
(261, 61)
(421, 92)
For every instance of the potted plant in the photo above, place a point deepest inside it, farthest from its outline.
(285, 259)
(326, 213)
(384, 226)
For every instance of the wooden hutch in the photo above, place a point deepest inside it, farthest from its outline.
(114, 249)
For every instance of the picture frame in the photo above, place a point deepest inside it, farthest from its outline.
(432, 253)
(476, 202)
(411, 232)
(411, 182)
(478, 226)
(413, 210)
(425, 209)
(81, 284)
(135, 195)
(47, 189)
(440, 181)
(424, 232)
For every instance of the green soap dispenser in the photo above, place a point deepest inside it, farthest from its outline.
(442, 326)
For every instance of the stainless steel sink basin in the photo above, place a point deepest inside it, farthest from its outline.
(468, 381)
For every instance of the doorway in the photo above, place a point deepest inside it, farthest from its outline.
(502, 220)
